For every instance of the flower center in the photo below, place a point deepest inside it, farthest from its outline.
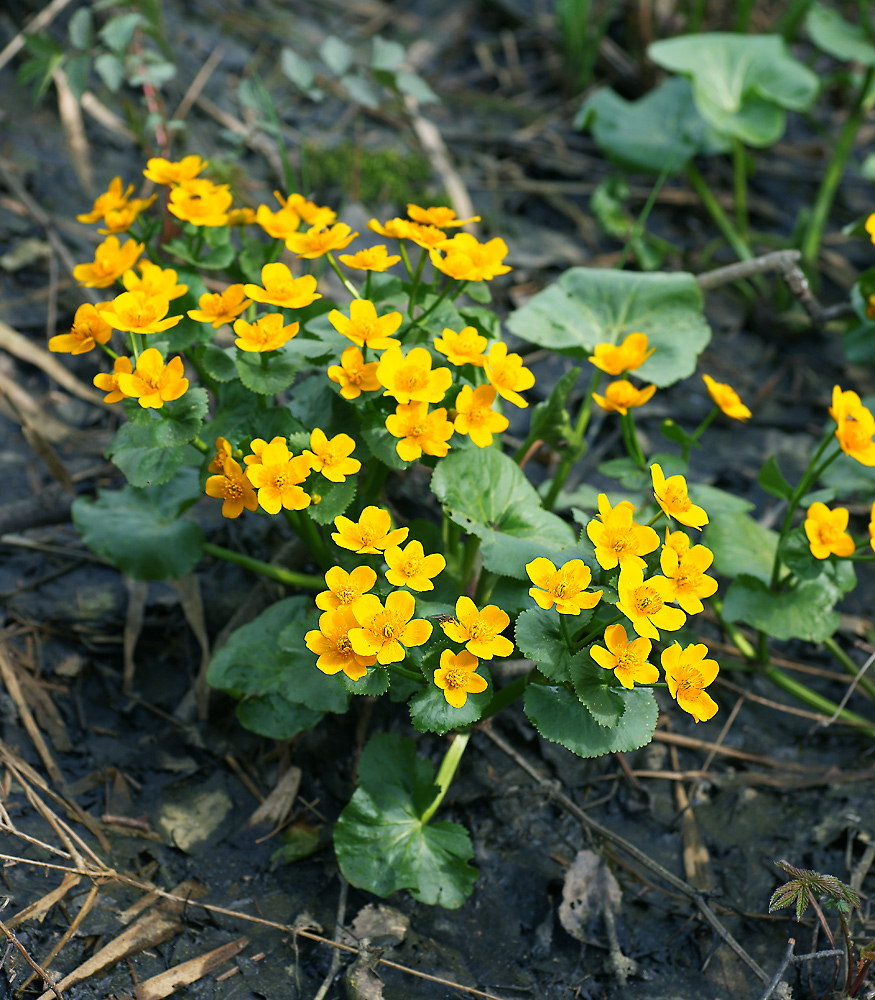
(454, 677)
(561, 589)
(647, 601)
(411, 567)
(345, 595)
(677, 499)
(233, 489)
(410, 377)
(389, 629)
(344, 646)
(477, 629)
(691, 681)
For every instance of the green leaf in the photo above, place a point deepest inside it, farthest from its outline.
(282, 369)
(772, 480)
(741, 83)
(387, 55)
(478, 291)
(831, 33)
(186, 415)
(146, 453)
(79, 29)
(431, 713)
(381, 842)
(336, 55)
(806, 611)
(675, 433)
(335, 498)
(275, 717)
(715, 501)
(661, 130)
(111, 70)
(360, 90)
(551, 421)
(118, 31)
(592, 684)
(796, 555)
(219, 364)
(588, 306)
(298, 70)
(413, 85)
(485, 492)
(560, 717)
(78, 70)
(381, 443)
(539, 637)
(140, 530)
(741, 545)
(374, 683)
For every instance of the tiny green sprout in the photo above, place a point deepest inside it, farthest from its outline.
(804, 884)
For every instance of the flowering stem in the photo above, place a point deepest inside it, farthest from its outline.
(817, 701)
(739, 176)
(627, 423)
(373, 483)
(655, 518)
(437, 301)
(415, 286)
(698, 432)
(347, 284)
(108, 350)
(405, 259)
(201, 446)
(201, 371)
(730, 233)
(446, 772)
(485, 584)
(850, 667)
(579, 644)
(472, 548)
(135, 347)
(508, 694)
(306, 530)
(368, 285)
(411, 675)
(575, 446)
(302, 581)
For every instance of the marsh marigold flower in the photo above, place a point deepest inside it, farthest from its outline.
(468, 260)
(475, 416)
(121, 218)
(870, 226)
(332, 458)
(266, 334)
(688, 673)
(614, 359)
(113, 197)
(684, 567)
(619, 540)
(725, 397)
(371, 533)
(464, 348)
(169, 172)
(279, 224)
(479, 630)
(411, 567)
(565, 587)
(223, 451)
(352, 374)
(232, 486)
(410, 378)
(154, 280)
(278, 476)
(438, 215)
(154, 383)
(671, 495)
(507, 374)
(333, 647)
(281, 289)
(457, 677)
(645, 603)
(627, 659)
(872, 528)
(364, 328)
(384, 631)
(621, 396)
(108, 381)
(88, 330)
(111, 260)
(218, 308)
(201, 202)
(319, 240)
(419, 430)
(139, 312)
(855, 426)
(826, 531)
(373, 259)
(345, 589)
(395, 229)
(427, 237)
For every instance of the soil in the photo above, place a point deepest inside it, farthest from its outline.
(171, 797)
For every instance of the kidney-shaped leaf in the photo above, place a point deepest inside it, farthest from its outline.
(589, 306)
(831, 33)
(807, 611)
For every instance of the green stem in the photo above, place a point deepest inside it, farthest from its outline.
(586, 406)
(595, 633)
(633, 447)
(744, 647)
(347, 284)
(849, 666)
(448, 288)
(373, 483)
(367, 292)
(108, 350)
(834, 172)
(446, 772)
(721, 219)
(816, 701)
(201, 446)
(405, 259)
(411, 675)
(739, 179)
(306, 530)
(472, 548)
(698, 432)
(206, 379)
(508, 694)
(485, 585)
(302, 581)
(641, 221)
(415, 285)
(575, 445)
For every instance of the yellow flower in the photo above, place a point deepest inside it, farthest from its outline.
(354, 376)
(411, 567)
(152, 382)
(457, 678)
(111, 260)
(279, 225)
(88, 330)
(671, 495)
(438, 215)
(257, 445)
(201, 202)
(281, 289)
(122, 217)
(223, 451)
(410, 378)
(621, 396)
(363, 327)
(870, 226)
(371, 533)
(372, 259)
(826, 532)
(468, 260)
(686, 573)
(139, 312)
(465, 348)
(479, 630)
(476, 417)
(331, 458)
(872, 528)
(506, 372)
(565, 587)
(108, 382)
(277, 477)
(855, 426)
(234, 488)
(319, 240)
(627, 659)
(645, 604)
(244, 216)
(112, 198)
(344, 589)
(427, 237)
(395, 229)
(170, 172)
(265, 334)
(419, 430)
(726, 398)
(332, 645)
(677, 540)
(626, 357)
(617, 538)
(154, 280)
(687, 674)
(218, 308)
(384, 631)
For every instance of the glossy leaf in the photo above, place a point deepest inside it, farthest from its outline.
(430, 712)
(539, 637)
(772, 480)
(741, 545)
(592, 685)
(831, 33)
(806, 611)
